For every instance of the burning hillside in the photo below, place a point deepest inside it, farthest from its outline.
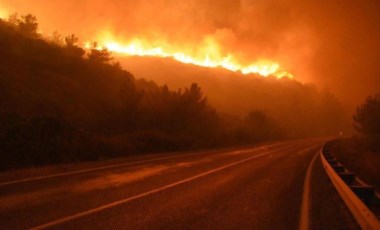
(207, 54)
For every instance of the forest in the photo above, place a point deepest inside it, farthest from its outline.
(61, 103)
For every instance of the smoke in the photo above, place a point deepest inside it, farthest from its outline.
(334, 44)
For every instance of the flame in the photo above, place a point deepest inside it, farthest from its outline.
(207, 55)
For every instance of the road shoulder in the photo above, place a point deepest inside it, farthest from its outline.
(328, 210)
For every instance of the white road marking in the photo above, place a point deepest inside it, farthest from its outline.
(86, 170)
(123, 201)
(305, 206)
(108, 167)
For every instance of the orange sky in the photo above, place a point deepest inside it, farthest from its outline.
(334, 44)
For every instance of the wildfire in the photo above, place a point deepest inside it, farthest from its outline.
(207, 55)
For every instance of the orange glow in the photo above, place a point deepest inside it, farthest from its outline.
(3, 13)
(208, 54)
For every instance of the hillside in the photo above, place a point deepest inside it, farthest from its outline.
(61, 103)
(301, 109)
(58, 104)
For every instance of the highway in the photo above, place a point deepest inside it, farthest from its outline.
(260, 187)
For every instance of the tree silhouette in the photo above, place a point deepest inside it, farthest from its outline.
(260, 126)
(99, 55)
(14, 20)
(71, 46)
(71, 40)
(367, 117)
(56, 38)
(28, 25)
(194, 101)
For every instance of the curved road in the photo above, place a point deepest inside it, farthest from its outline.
(260, 187)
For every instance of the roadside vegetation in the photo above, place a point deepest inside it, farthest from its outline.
(361, 154)
(60, 103)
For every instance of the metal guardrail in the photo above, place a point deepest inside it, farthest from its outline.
(341, 179)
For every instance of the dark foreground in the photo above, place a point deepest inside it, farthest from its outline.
(256, 188)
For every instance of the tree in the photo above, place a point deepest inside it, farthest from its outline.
(259, 126)
(71, 46)
(367, 117)
(56, 38)
(14, 20)
(28, 25)
(194, 99)
(99, 55)
(71, 40)
(194, 116)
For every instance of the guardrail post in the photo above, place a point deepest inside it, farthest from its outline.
(330, 158)
(347, 177)
(338, 168)
(365, 193)
(332, 161)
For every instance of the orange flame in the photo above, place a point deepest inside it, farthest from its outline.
(207, 55)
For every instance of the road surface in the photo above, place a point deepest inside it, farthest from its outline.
(260, 187)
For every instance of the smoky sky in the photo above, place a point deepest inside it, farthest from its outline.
(334, 44)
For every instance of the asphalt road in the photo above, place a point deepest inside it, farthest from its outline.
(260, 187)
